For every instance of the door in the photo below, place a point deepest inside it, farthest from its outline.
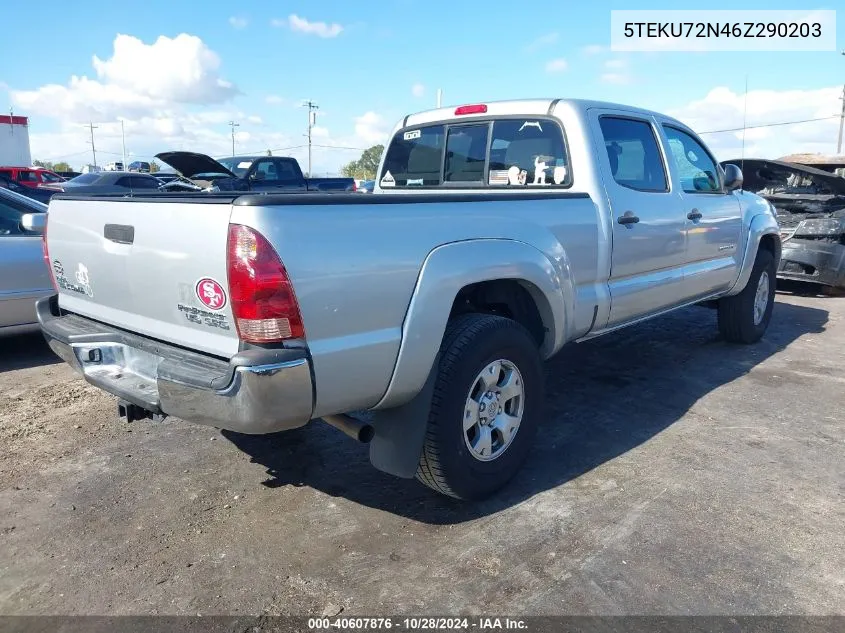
(714, 220)
(23, 273)
(649, 242)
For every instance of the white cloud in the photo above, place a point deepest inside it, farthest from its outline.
(556, 65)
(541, 42)
(616, 64)
(320, 132)
(593, 49)
(722, 109)
(137, 80)
(320, 29)
(616, 79)
(418, 90)
(149, 69)
(238, 22)
(174, 109)
(371, 128)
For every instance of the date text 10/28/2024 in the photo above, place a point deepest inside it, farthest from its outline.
(417, 624)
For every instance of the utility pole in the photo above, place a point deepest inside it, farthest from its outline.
(233, 125)
(841, 120)
(93, 127)
(123, 139)
(312, 119)
(439, 96)
(841, 123)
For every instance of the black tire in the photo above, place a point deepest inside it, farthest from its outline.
(472, 342)
(736, 313)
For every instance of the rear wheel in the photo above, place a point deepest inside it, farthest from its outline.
(743, 318)
(486, 407)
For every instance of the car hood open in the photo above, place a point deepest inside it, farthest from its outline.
(189, 164)
(760, 174)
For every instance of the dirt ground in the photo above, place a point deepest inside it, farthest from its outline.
(675, 475)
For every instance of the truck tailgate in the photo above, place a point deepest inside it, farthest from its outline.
(153, 267)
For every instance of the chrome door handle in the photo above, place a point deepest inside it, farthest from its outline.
(628, 218)
(695, 214)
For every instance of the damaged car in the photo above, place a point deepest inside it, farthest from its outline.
(270, 174)
(810, 207)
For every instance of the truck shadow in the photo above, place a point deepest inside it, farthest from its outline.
(604, 397)
(23, 351)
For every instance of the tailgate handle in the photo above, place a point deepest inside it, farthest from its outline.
(120, 233)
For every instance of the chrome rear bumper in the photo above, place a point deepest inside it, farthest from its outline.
(257, 391)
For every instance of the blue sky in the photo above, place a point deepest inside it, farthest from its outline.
(370, 63)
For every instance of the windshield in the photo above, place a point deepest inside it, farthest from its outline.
(84, 179)
(237, 166)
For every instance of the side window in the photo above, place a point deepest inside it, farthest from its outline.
(528, 152)
(265, 170)
(285, 171)
(466, 148)
(139, 182)
(48, 177)
(634, 155)
(414, 158)
(126, 181)
(696, 167)
(27, 176)
(10, 220)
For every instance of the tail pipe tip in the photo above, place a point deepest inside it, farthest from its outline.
(356, 429)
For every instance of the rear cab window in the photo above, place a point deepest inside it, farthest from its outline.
(499, 152)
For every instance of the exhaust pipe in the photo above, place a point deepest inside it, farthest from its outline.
(357, 430)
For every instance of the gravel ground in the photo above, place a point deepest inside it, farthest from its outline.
(675, 475)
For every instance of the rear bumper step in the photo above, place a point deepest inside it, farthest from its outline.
(257, 391)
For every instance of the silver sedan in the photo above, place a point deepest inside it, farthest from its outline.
(24, 276)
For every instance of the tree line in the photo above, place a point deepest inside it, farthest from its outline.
(63, 166)
(366, 166)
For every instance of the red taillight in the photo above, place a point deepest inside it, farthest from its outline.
(263, 300)
(478, 108)
(46, 254)
(354, 186)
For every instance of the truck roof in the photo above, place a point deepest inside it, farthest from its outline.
(526, 106)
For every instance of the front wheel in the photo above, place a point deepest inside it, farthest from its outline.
(744, 318)
(486, 407)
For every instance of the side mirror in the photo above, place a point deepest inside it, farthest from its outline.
(34, 222)
(733, 177)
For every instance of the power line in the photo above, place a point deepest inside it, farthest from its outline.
(358, 149)
(752, 127)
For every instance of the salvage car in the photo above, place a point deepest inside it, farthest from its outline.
(41, 194)
(23, 273)
(109, 182)
(415, 318)
(248, 173)
(810, 206)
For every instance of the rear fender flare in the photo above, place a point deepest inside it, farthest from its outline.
(449, 268)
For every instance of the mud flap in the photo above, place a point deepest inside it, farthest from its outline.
(400, 431)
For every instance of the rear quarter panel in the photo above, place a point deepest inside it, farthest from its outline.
(355, 268)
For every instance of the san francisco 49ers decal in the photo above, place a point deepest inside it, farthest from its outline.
(211, 294)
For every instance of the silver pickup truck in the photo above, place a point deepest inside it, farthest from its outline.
(416, 318)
